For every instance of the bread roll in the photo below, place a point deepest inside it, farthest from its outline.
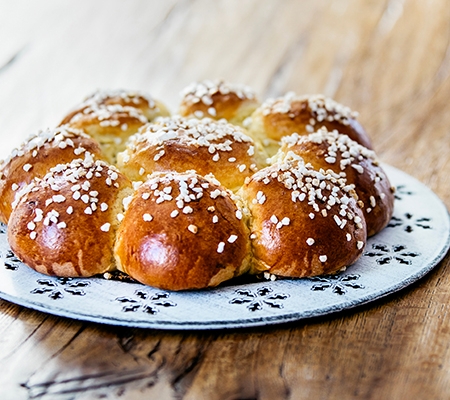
(334, 151)
(303, 222)
(34, 158)
(110, 117)
(180, 144)
(65, 224)
(303, 115)
(150, 107)
(182, 231)
(218, 99)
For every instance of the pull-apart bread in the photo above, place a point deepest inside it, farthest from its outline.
(228, 186)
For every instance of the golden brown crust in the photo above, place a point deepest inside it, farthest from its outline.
(65, 224)
(111, 117)
(34, 158)
(148, 106)
(182, 231)
(217, 100)
(303, 115)
(302, 223)
(331, 150)
(109, 125)
(179, 144)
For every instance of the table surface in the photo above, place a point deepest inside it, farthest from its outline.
(387, 59)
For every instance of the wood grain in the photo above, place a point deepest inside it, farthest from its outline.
(388, 59)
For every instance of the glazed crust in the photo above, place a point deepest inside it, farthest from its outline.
(331, 150)
(111, 117)
(65, 224)
(148, 106)
(294, 232)
(109, 125)
(179, 144)
(178, 244)
(217, 100)
(36, 156)
(303, 115)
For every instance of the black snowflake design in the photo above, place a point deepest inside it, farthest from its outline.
(3, 228)
(56, 288)
(386, 254)
(256, 300)
(11, 261)
(338, 284)
(409, 222)
(145, 302)
(401, 192)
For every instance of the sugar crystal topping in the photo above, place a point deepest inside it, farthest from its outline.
(82, 176)
(60, 137)
(131, 97)
(191, 188)
(345, 152)
(321, 108)
(110, 114)
(322, 190)
(184, 192)
(205, 90)
(217, 136)
(206, 132)
(350, 152)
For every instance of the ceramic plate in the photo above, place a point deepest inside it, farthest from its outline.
(414, 242)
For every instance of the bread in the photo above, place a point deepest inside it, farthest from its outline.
(303, 115)
(195, 202)
(182, 231)
(218, 99)
(303, 222)
(150, 107)
(337, 152)
(110, 117)
(36, 155)
(65, 224)
(180, 144)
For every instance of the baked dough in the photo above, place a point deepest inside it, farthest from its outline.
(195, 202)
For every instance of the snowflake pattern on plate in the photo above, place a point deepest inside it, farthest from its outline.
(385, 254)
(145, 302)
(401, 191)
(338, 284)
(257, 299)
(11, 261)
(55, 288)
(409, 222)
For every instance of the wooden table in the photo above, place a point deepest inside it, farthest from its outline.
(388, 59)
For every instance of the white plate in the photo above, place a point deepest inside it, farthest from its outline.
(417, 238)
